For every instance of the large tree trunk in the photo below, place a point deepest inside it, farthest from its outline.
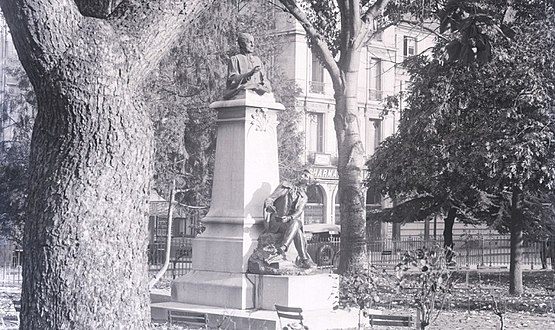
(515, 268)
(85, 239)
(351, 161)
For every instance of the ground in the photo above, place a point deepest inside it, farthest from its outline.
(484, 320)
(468, 307)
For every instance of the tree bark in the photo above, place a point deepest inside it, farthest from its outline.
(355, 29)
(515, 268)
(448, 234)
(350, 165)
(85, 238)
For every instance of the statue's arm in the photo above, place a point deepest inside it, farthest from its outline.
(234, 76)
(263, 79)
(281, 190)
(300, 207)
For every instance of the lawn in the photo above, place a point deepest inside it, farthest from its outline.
(471, 302)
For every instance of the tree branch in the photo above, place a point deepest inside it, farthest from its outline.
(317, 42)
(146, 26)
(40, 44)
(374, 10)
(97, 8)
(143, 27)
(368, 18)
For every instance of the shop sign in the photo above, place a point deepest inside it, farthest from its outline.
(329, 173)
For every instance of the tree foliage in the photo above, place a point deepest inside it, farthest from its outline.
(461, 146)
(337, 31)
(425, 271)
(191, 77)
(478, 136)
(20, 107)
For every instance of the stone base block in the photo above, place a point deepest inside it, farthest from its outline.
(228, 290)
(309, 292)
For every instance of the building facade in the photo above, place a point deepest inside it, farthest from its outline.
(380, 76)
(8, 86)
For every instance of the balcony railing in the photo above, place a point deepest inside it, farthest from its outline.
(375, 95)
(316, 87)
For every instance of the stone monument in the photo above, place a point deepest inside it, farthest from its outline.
(245, 174)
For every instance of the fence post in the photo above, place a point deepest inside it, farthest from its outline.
(482, 264)
(531, 256)
(467, 254)
(490, 255)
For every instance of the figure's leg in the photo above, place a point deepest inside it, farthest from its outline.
(289, 235)
(300, 244)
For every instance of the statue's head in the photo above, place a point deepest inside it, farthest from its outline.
(306, 178)
(246, 43)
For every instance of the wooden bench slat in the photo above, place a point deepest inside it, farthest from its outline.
(17, 305)
(288, 309)
(290, 316)
(390, 317)
(391, 320)
(292, 313)
(188, 318)
(391, 323)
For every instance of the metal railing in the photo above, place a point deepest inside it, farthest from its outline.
(375, 94)
(11, 258)
(317, 87)
(477, 252)
(181, 257)
(10, 275)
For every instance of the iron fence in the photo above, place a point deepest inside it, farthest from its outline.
(10, 264)
(181, 257)
(10, 275)
(475, 252)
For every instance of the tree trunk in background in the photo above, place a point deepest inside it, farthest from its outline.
(351, 161)
(356, 29)
(448, 234)
(85, 238)
(396, 231)
(516, 286)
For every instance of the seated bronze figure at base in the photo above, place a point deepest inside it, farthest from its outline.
(282, 210)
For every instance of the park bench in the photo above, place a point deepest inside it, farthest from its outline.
(391, 320)
(291, 313)
(187, 318)
(17, 305)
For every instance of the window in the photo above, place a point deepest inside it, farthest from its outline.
(317, 76)
(409, 46)
(315, 132)
(373, 197)
(404, 89)
(337, 208)
(373, 135)
(314, 209)
(375, 79)
(379, 36)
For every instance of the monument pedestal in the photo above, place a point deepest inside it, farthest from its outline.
(246, 172)
(311, 292)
